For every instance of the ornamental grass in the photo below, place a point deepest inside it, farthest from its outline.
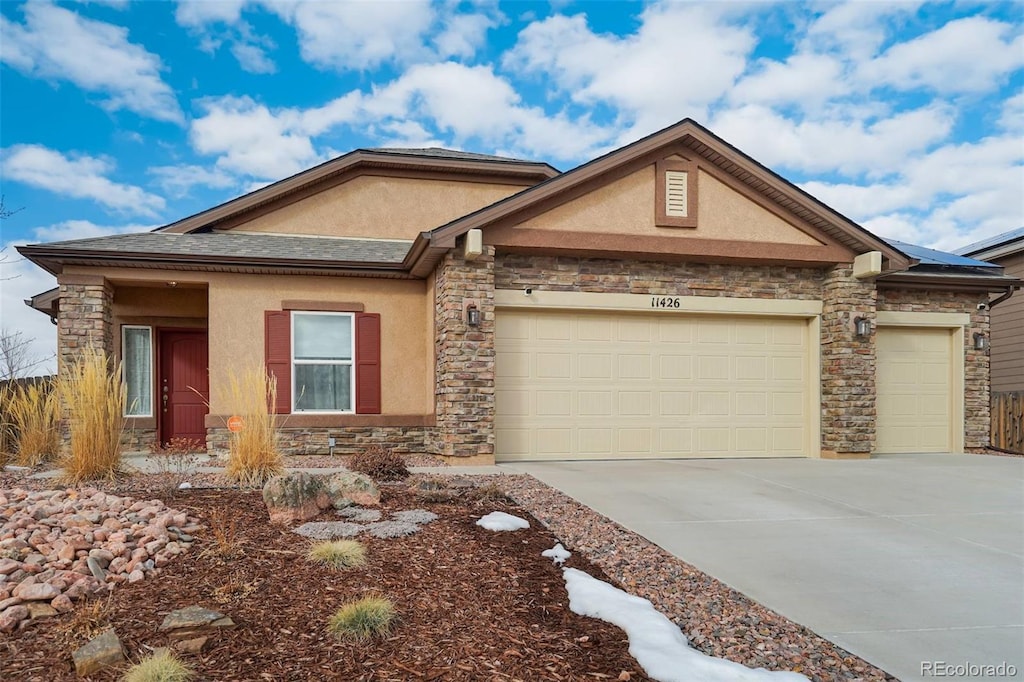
(32, 415)
(91, 391)
(253, 456)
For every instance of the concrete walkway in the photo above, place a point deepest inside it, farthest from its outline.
(904, 560)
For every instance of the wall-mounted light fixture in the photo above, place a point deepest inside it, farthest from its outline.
(861, 326)
(980, 342)
(472, 315)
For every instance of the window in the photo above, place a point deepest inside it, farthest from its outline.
(137, 370)
(322, 359)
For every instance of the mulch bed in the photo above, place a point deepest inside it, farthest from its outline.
(473, 604)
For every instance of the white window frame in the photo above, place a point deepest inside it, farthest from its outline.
(351, 362)
(124, 378)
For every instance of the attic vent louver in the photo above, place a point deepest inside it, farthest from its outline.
(675, 194)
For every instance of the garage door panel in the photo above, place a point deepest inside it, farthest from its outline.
(914, 404)
(632, 386)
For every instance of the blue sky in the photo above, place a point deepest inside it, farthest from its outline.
(118, 116)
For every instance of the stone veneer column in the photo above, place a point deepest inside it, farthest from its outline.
(464, 393)
(847, 366)
(84, 320)
(977, 380)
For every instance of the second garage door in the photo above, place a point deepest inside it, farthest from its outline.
(619, 386)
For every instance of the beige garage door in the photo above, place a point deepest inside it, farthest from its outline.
(623, 386)
(914, 383)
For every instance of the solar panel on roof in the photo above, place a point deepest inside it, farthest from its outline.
(935, 257)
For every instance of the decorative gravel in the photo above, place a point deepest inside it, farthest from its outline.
(415, 516)
(716, 619)
(391, 529)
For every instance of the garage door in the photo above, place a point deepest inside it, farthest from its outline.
(622, 386)
(914, 383)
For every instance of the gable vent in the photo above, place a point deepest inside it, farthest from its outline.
(675, 194)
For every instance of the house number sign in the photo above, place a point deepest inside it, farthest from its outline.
(666, 302)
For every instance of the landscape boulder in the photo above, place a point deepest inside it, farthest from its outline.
(347, 488)
(295, 497)
(102, 651)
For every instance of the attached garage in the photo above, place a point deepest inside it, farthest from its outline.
(919, 384)
(613, 384)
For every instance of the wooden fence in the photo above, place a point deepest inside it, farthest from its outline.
(1008, 421)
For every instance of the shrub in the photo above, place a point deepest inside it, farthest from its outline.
(162, 666)
(340, 554)
(379, 464)
(175, 462)
(363, 619)
(488, 493)
(253, 455)
(34, 413)
(90, 389)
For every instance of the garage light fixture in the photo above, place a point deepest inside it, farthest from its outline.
(472, 315)
(980, 342)
(862, 326)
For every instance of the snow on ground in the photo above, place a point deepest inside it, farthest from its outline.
(498, 521)
(655, 642)
(558, 554)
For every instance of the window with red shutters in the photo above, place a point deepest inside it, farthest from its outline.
(368, 363)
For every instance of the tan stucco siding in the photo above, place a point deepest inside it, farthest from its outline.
(380, 208)
(626, 206)
(236, 305)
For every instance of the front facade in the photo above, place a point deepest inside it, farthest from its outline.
(671, 299)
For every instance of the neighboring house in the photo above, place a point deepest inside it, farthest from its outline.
(673, 298)
(1007, 318)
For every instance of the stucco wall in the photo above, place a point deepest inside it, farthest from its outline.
(380, 208)
(626, 206)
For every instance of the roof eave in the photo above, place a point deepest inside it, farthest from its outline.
(946, 282)
(897, 260)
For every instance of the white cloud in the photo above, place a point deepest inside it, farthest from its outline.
(801, 79)
(967, 55)
(83, 229)
(1011, 118)
(199, 13)
(350, 35)
(218, 22)
(849, 146)
(252, 57)
(179, 180)
(53, 43)
(464, 34)
(639, 74)
(80, 177)
(857, 29)
(251, 140)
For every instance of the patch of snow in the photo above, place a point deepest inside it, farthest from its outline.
(655, 642)
(558, 554)
(184, 485)
(500, 521)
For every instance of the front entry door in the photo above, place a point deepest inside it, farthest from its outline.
(184, 389)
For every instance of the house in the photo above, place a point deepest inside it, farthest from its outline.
(673, 298)
(1007, 319)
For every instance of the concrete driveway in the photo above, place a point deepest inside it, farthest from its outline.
(903, 560)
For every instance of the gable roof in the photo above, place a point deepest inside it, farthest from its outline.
(453, 163)
(1005, 244)
(703, 143)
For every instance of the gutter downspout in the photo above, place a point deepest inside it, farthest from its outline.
(1009, 292)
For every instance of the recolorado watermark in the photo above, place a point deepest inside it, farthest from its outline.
(967, 669)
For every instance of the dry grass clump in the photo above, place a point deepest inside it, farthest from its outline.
(490, 492)
(91, 390)
(32, 421)
(253, 455)
(162, 666)
(224, 541)
(339, 554)
(363, 619)
(88, 620)
(379, 464)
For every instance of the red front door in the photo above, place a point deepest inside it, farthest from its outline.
(184, 388)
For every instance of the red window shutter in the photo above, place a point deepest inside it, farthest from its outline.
(368, 363)
(278, 335)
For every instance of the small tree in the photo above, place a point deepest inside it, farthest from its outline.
(17, 358)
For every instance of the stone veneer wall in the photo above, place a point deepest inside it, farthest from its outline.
(516, 271)
(847, 366)
(137, 439)
(464, 393)
(348, 440)
(84, 320)
(977, 413)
